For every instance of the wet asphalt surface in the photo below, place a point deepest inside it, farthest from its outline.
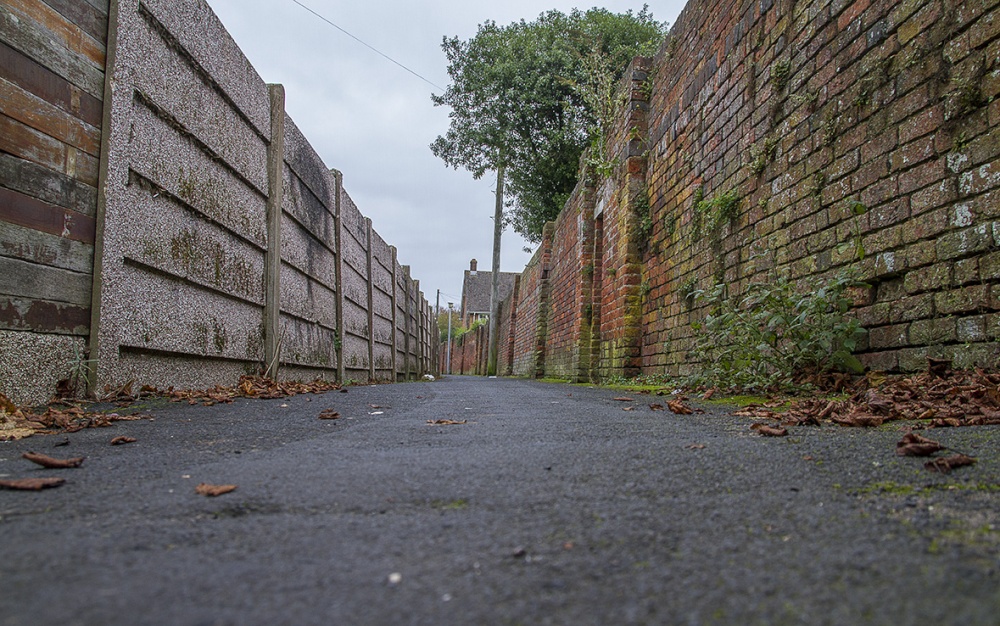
(551, 505)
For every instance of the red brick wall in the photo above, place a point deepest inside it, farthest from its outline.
(876, 102)
(532, 307)
(802, 110)
(570, 279)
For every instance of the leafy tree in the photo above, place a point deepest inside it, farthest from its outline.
(523, 102)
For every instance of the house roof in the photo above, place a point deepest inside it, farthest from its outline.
(476, 290)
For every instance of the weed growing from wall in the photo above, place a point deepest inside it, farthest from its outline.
(765, 337)
(713, 212)
(762, 154)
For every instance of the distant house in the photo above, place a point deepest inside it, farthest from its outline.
(476, 290)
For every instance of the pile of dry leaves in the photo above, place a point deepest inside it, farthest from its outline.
(63, 416)
(944, 397)
(17, 423)
(936, 398)
(248, 387)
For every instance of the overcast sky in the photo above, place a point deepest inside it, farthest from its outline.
(373, 120)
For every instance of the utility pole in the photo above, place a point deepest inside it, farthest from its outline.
(448, 361)
(491, 363)
(437, 307)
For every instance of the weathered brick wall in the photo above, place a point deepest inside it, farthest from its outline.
(567, 338)
(52, 63)
(532, 310)
(621, 208)
(223, 243)
(837, 127)
(807, 110)
(506, 330)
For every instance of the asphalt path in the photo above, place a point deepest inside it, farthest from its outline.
(549, 505)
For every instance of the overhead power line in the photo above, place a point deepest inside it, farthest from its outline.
(372, 48)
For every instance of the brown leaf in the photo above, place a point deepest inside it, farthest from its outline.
(860, 420)
(946, 422)
(695, 446)
(31, 484)
(629, 408)
(118, 441)
(928, 414)
(656, 407)
(447, 422)
(623, 399)
(211, 491)
(679, 407)
(770, 431)
(947, 463)
(828, 410)
(329, 414)
(913, 444)
(8, 407)
(52, 463)
(708, 394)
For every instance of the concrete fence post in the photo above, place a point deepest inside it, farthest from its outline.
(371, 303)
(395, 319)
(418, 328)
(272, 266)
(338, 236)
(407, 322)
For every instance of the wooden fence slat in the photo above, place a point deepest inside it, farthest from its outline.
(54, 122)
(88, 18)
(28, 244)
(29, 144)
(43, 316)
(49, 86)
(23, 210)
(28, 280)
(47, 185)
(64, 31)
(37, 43)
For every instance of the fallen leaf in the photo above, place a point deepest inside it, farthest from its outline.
(827, 410)
(211, 491)
(695, 446)
(678, 407)
(623, 399)
(52, 463)
(446, 422)
(770, 431)
(913, 444)
(122, 440)
(947, 463)
(329, 414)
(946, 422)
(31, 484)
(708, 394)
(860, 420)
(656, 407)
(629, 408)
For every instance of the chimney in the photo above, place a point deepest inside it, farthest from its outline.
(472, 266)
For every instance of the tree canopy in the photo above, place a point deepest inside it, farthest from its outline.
(519, 101)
